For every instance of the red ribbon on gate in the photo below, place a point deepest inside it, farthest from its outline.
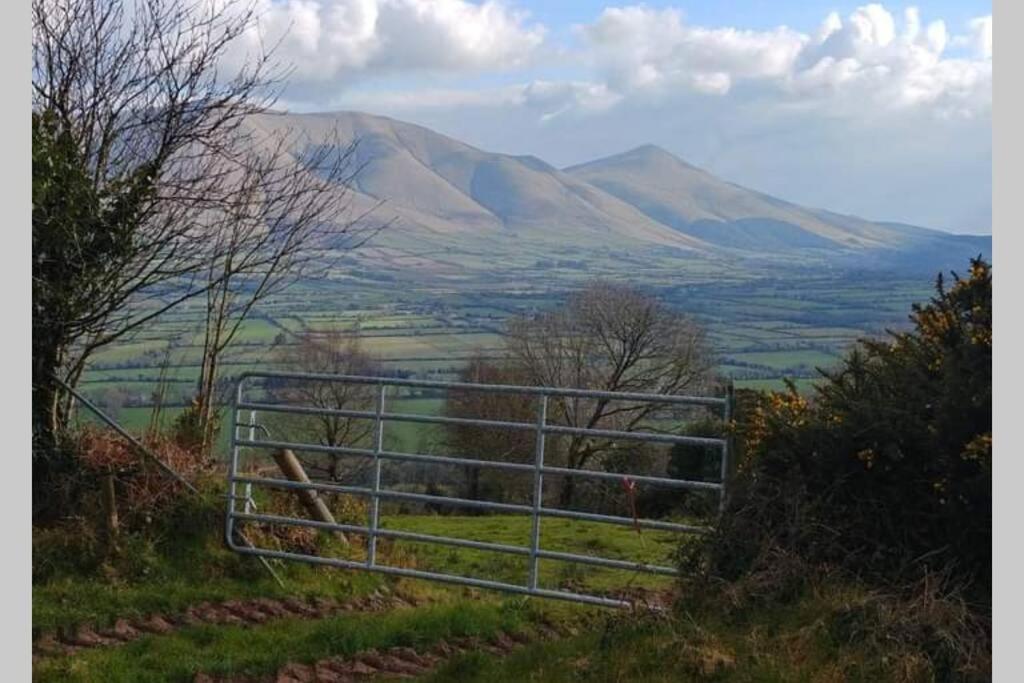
(630, 486)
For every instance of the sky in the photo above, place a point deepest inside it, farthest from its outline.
(882, 111)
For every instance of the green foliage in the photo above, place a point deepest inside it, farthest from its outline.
(180, 561)
(59, 481)
(886, 471)
(838, 632)
(76, 548)
(692, 463)
(80, 234)
(188, 430)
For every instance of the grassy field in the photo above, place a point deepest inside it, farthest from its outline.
(562, 535)
(763, 331)
(399, 331)
(193, 566)
(781, 644)
(793, 642)
(764, 328)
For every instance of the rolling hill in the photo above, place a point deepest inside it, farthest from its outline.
(449, 197)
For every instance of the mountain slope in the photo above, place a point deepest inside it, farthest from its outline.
(697, 203)
(435, 183)
(450, 197)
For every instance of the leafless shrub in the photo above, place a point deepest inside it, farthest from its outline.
(143, 490)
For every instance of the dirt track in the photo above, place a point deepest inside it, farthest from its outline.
(231, 612)
(392, 663)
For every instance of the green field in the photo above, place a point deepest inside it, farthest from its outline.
(762, 327)
(561, 535)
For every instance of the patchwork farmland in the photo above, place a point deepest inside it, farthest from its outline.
(763, 329)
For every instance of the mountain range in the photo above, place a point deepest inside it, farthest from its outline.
(440, 195)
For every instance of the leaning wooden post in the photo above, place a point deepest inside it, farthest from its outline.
(292, 468)
(111, 526)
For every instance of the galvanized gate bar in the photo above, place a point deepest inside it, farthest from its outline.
(468, 462)
(487, 388)
(538, 491)
(434, 576)
(534, 552)
(471, 422)
(468, 502)
(462, 543)
(388, 455)
(378, 445)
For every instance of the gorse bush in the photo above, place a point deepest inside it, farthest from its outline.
(886, 470)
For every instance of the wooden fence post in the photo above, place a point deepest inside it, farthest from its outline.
(111, 525)
(314, 504)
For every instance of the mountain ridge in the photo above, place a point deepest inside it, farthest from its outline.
(441, 188)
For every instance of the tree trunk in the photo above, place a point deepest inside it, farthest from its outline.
(213, 347)
(207, 421)
(46, 395)
(574, 461)
(51, 465)
(568, 491)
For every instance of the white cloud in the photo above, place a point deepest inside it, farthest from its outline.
(554, 99)
(872, 113)
(870, 59)
(979, 37)
(335, 42)
(454, 34)
(545, 99)
(638, 47)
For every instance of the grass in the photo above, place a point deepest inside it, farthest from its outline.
(170, 578)
(829, 632)
(262, 650)
(169, 575)
(565, 535)
(804, 640)
(782, 360)
(180, 570)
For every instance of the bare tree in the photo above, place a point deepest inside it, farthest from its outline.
(489, 443)
(283, 224)
(608, 337)
(333, 352)
(150, 186)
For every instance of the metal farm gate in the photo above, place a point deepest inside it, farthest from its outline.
(250, 437)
